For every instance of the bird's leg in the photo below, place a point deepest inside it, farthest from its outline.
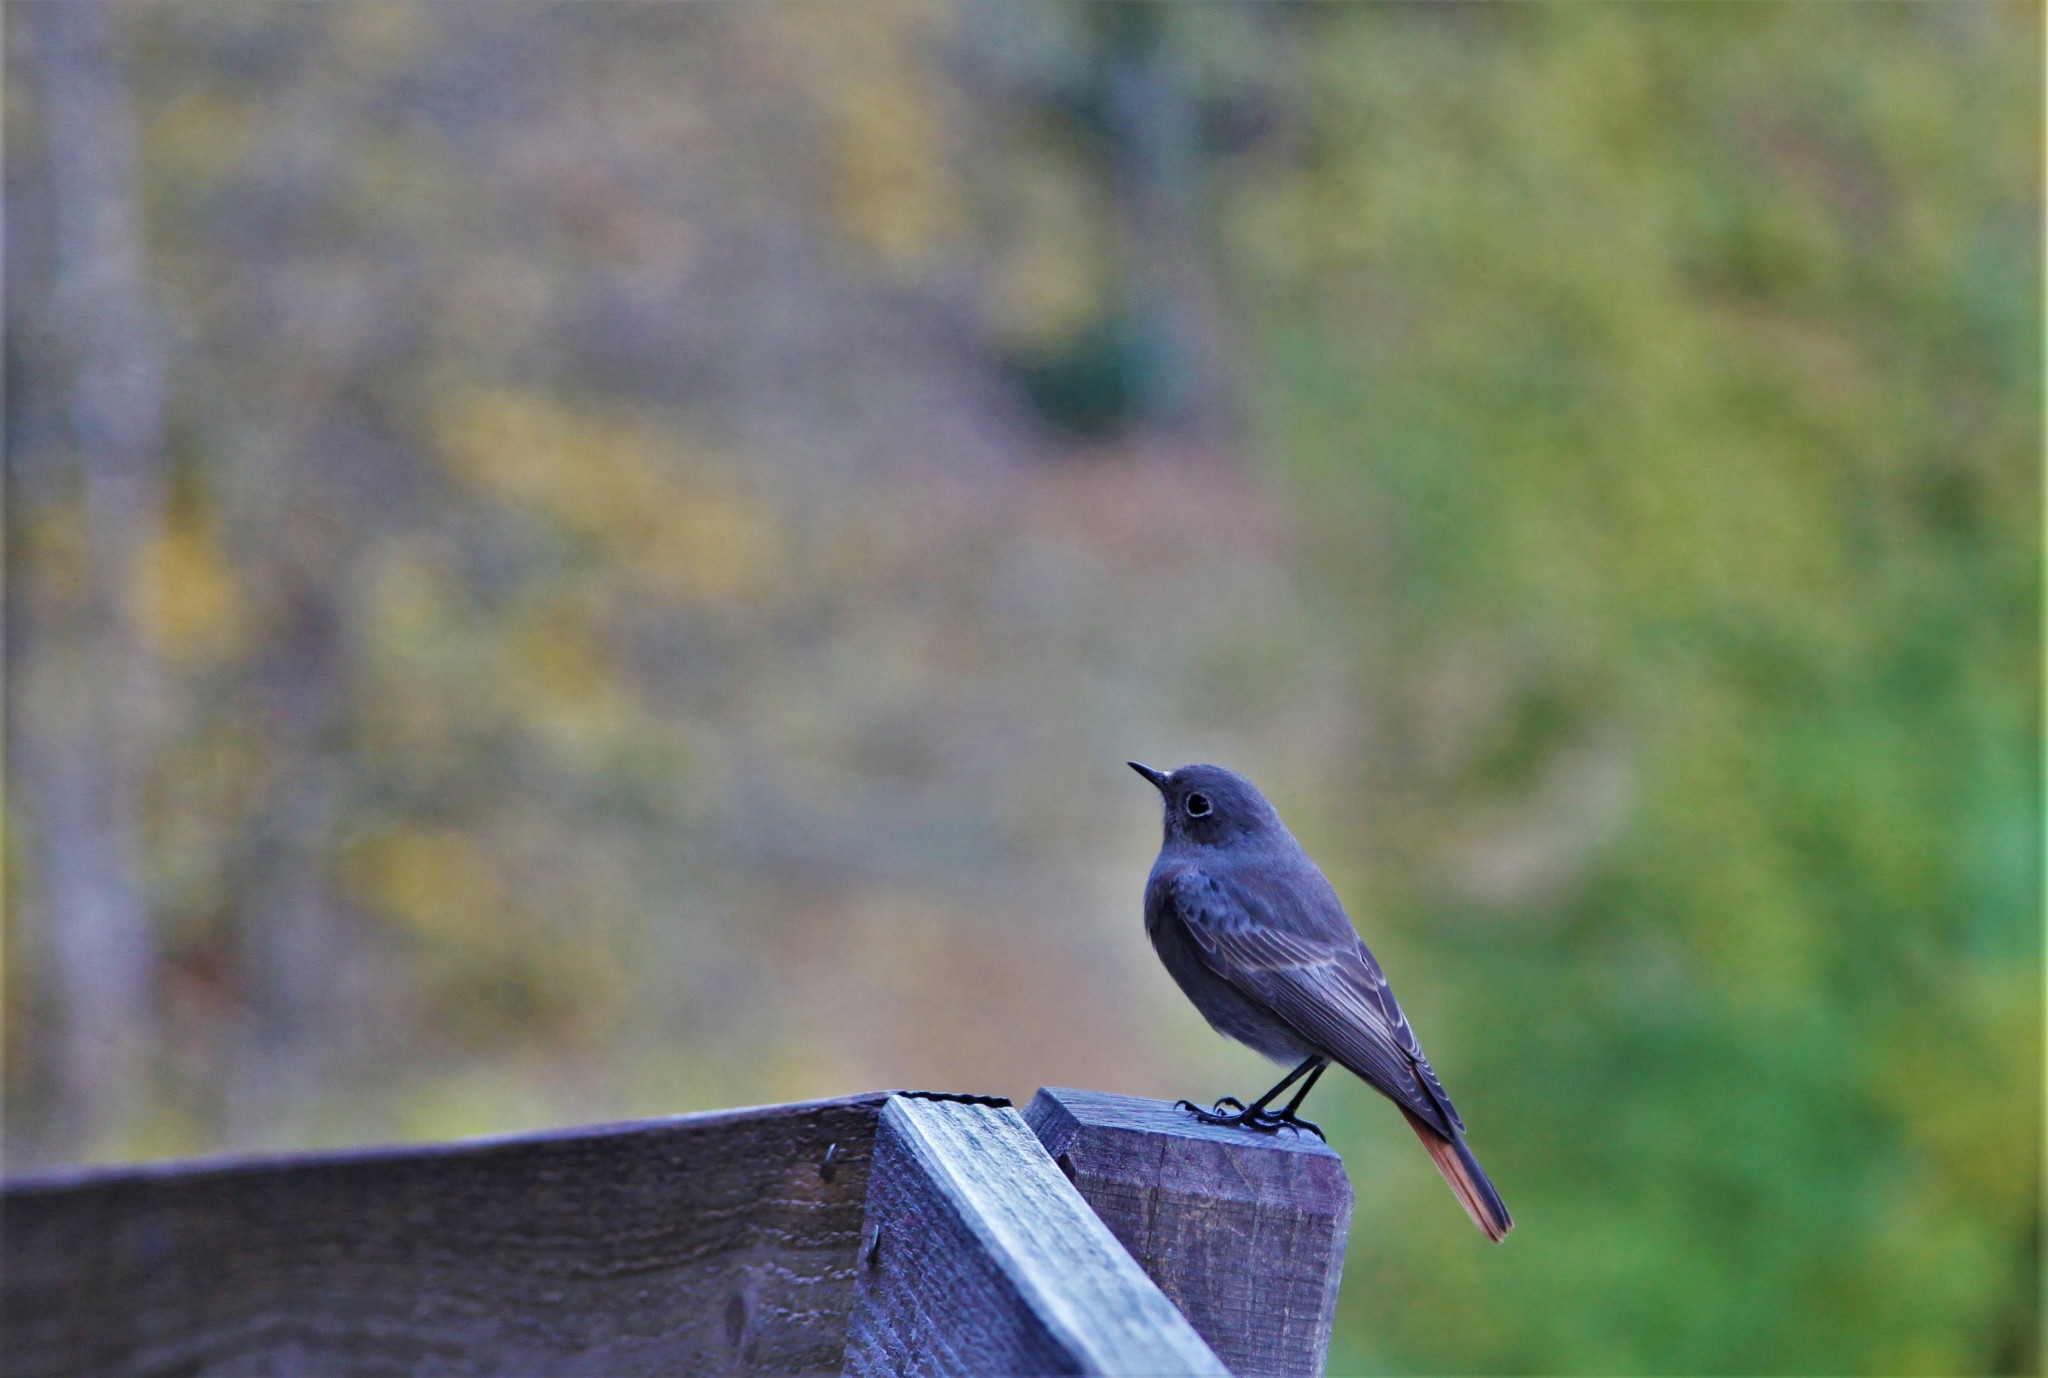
(1293, 1121)
(1255, 1115)
(1313, 1066)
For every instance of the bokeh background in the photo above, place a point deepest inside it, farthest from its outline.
(570, 562)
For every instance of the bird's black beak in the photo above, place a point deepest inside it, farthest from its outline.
(1157, 777)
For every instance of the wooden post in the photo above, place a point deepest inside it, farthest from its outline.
(979, 1257)
(1244, 1231)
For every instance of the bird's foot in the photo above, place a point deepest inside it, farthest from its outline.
(1243, 1117)
(1298, 1124)
(1216, 1116)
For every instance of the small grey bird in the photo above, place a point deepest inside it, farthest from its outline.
(1257, 938)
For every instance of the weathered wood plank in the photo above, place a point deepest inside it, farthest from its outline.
(713, 1243)
(1245, 1232)
(979, 1257)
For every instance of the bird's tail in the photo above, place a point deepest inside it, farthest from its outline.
(1467, 1179)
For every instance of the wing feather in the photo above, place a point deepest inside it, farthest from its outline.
(1326, 986)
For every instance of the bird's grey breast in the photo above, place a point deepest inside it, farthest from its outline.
(1229, 1011)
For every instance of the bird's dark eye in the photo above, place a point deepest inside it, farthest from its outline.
(1197, 806)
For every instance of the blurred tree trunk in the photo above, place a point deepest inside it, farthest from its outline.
(296, 955)
(1159, 166)
(82, 765)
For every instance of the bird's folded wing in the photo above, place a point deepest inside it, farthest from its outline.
(1331, 992)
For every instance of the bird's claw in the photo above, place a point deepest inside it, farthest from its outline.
(1259, 1121)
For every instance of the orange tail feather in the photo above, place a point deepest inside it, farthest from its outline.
(1475, 1192)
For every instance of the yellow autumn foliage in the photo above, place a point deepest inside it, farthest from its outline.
(1048, 279)
(190, 603)
(620, 482)
(436, 883)
(203, 134)
(895, 197)
(563, 685)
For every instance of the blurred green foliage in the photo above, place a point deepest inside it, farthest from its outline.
(673, 516)
(1672, 371)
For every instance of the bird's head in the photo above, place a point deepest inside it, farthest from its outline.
(1209, 806)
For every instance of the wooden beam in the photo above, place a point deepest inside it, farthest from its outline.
(979, 1257)
(720, 1243)
(1245, 1232)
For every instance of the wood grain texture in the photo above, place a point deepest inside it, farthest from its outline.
(979, 1257)
(700, 1244)
(1244, 1231)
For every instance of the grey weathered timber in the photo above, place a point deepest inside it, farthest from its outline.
(699, 1244)
(1244, 1231)
(979, 1257)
